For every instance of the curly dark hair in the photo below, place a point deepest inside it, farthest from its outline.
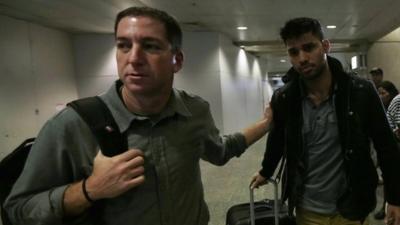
(294, 28)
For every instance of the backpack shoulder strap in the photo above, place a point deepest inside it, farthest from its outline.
(98, 117)
(11, 167)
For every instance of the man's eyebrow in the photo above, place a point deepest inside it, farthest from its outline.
(121, 39)
(151, 39)
(309, 43)
(142, 39)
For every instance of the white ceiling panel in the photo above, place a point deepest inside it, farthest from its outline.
(357, 21)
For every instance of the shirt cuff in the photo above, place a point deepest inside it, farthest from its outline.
(56, 200)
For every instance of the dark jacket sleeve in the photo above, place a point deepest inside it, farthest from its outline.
(275, 142)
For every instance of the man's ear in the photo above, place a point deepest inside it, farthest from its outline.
(326, 45)
(177, 61)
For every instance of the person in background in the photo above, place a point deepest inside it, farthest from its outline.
(387, 91)
(324, 119)
(376, 75)
(393, 115)
(67, 179)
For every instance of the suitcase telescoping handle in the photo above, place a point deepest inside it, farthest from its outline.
(276, 208)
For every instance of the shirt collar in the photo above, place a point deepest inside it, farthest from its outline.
(303, 90)
(179, 105)
(123, 117)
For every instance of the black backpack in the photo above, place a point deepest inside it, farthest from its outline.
(100, 120)
(10, 169)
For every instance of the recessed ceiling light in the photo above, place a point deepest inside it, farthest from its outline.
(241, 28)
(283, 60)
(331, 26)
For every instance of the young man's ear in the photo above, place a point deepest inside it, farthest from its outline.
(177, 61)
(326, 45)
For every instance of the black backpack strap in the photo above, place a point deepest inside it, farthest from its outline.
(10, 169)
(98, 117)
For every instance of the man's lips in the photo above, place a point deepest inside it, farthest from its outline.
(307, 68)
(136, 75)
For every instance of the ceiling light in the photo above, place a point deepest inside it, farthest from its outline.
(241, 28)
(331, 26)
(283, 60)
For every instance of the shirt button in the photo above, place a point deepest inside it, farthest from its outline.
(348, 154)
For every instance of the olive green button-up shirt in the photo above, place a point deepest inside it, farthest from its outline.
(173, 142)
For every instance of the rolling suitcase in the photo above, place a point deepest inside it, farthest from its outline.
(260, 212)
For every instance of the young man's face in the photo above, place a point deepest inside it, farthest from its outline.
(308, 55)
(376, 78)
(145, 60)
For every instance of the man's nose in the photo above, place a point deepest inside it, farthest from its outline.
(303, 56)
(135, 54)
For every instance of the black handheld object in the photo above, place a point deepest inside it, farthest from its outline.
(102, 124)
(11, 167)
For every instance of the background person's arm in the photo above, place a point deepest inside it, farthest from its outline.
(256, 131)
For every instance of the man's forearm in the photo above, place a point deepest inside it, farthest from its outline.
(75, 202)
(256, 131)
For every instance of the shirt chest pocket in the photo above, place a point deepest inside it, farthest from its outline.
(186, 149)
(318, 128)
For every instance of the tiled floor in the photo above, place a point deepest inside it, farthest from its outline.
(228, 185)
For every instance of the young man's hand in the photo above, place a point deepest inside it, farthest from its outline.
(392, 215)
(397, 133)
(257, 180)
